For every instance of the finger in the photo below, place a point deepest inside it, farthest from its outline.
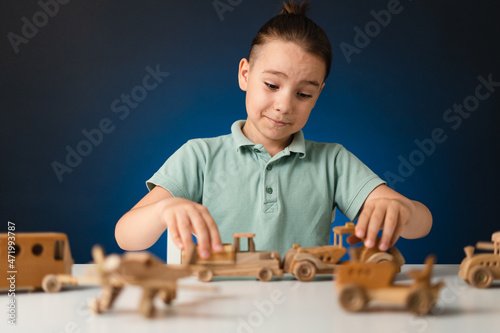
(395, 236)
(212, 229)
(397, 233)
(390, 224)
(173, 232)
(363, 219)
(375, 224)
(201, 232)
(185, 230)
(404, 218)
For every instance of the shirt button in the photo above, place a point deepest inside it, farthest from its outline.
(269, 190)
(256, 150)
(269, 167)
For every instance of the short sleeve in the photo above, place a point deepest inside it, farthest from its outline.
(183, 173)
(355, 181)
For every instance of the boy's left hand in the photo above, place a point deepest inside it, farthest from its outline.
(391, 213)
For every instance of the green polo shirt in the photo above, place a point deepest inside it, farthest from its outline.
(285, 199)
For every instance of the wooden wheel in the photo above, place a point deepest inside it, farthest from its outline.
(420, 301)
(205, 275)
(265, 274)
(480, 277)
(51, 284)
(353, 298)
(380, 257)
(304, 271)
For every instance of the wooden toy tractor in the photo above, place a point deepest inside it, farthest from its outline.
(481, 269)
(305, 263)
(360, 282)
(234, 262)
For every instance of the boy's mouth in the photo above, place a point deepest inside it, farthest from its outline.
(277, 123)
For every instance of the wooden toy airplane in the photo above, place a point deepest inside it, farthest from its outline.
(136, 268)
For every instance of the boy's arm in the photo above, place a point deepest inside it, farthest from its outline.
(395, 214)
(158, 210)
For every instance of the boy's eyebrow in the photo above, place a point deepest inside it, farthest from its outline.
(278, 73)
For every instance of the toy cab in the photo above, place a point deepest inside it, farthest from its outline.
(481, 269)
(305, 262)
(232, 261)
(32, 257)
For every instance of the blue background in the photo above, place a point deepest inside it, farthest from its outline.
(393, 92)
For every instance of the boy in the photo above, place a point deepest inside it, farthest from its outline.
(276, 183)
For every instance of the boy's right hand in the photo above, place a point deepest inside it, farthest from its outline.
(183, 218)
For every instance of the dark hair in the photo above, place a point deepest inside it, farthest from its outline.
(292, 25)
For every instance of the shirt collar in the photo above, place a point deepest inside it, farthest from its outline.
(298, 144)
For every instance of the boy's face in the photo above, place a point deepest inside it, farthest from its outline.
(283, 83)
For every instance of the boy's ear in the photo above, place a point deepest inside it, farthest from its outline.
(322, 86)
(243, 74)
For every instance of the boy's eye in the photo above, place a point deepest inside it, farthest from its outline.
(271, 86)
(302, 95)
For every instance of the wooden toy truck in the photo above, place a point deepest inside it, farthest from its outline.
(359, 282)
(482, 268)
(234, 262)
(32, 256)
(305, 263)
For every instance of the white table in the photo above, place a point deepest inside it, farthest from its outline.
(247, 305)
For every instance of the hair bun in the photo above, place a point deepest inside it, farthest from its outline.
(291, 7)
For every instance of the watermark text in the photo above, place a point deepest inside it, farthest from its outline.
(11, 273)
(454, 118)
(94, 137)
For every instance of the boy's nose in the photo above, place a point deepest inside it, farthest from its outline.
(283, 103)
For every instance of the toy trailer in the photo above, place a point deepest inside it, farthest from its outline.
(305, 263)
(231, 261)
(32, 256)
(482, 268)
(359, 283)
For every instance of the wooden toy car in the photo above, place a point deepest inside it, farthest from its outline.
(359, 282)
(305, 263)
(135, 268)
(32, 256)
(234, 262)
(482, 268)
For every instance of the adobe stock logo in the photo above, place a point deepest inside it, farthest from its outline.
(225, 6)
(94, 137)
(29, 29)
(455, 117)
(363, 37)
